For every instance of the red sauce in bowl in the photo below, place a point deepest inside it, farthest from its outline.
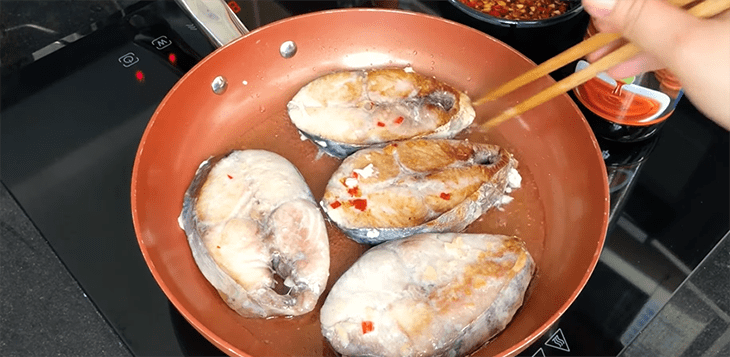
(617, 105)
(519, 9)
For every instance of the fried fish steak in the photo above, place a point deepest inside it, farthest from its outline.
(442, 294)
(256, 234)
(417, 186)
(345, 111)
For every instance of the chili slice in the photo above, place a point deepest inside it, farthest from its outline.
(355, 191)
(359, 204)
(367, 326)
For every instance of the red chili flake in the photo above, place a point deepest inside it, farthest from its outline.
(398, 120)
(355, 191)
(520, 9)
(359, 204)
(355, 175)
(367, 326)
(217, 246)
(445, 195)
(380, 123)
(335, 204)
(230, 177)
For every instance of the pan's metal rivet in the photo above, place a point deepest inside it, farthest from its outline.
(288, 49)
(219, 85)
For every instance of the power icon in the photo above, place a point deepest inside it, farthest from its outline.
(128, 59)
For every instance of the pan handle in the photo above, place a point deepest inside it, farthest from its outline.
(215, 19)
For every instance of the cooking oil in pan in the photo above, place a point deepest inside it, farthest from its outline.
(522, 217)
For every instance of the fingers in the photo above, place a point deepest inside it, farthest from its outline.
(634, 66)
(639, 64)
(594, 56)
(654, 25)
(697, 51)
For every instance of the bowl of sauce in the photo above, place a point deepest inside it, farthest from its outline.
(628, 109)
(539, 29)
(520, 13)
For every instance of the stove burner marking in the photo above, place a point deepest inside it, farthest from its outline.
(557, 340)
(128, 59)
(161, 42)
(539, 353)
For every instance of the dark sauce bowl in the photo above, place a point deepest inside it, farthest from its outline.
(574, 8)
(539, 40)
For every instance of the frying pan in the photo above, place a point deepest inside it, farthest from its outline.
(236, 97)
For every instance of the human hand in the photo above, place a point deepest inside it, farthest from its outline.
(696, 50)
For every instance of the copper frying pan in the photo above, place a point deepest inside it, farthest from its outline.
(561, 211)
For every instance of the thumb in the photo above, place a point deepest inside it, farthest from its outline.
(654, 25)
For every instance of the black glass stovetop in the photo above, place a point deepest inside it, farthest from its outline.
(73, 114)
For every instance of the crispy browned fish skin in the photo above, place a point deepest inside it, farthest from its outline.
(430, 294)
(416, 186)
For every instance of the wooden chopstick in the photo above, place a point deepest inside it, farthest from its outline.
(707, 8)
(581, 49)
(591, 44)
